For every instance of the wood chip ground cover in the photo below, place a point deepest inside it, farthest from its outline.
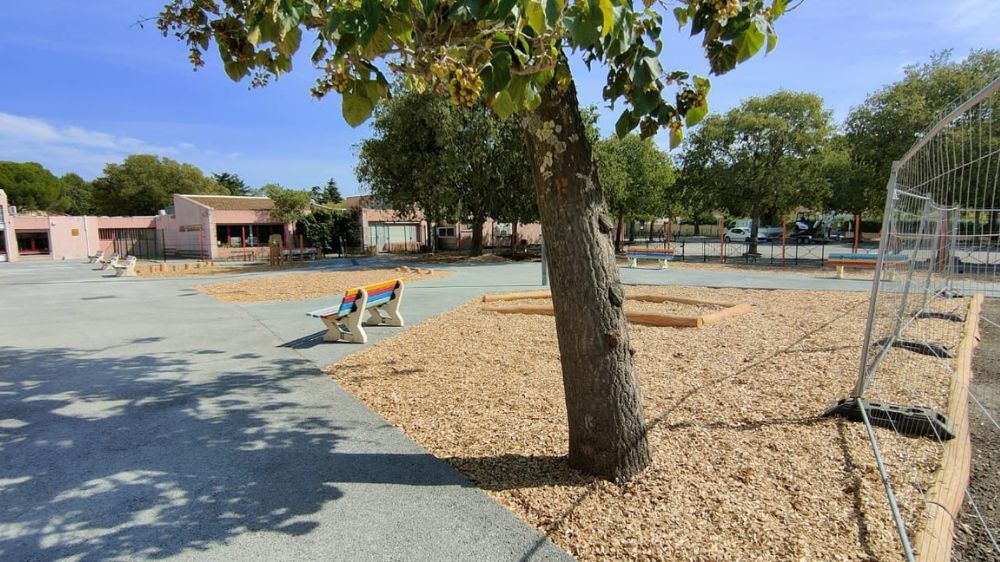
(743, 466)
(305, 286)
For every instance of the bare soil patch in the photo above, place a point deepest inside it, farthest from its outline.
(972, 540)
(305, 286)
(744, 468)
(213, 268)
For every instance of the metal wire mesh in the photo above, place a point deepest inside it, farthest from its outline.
(940, 246)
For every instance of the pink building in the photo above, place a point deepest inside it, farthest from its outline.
(195, 226)
(389, 231)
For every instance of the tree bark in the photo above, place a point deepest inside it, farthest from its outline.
(607, 432)
(651, 225)
(476, 249)
(754, 229)
(513, 238)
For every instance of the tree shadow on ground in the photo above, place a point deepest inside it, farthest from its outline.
(144, 456)
(509, 472)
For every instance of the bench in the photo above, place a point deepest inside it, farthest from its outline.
(864, 261)
(344, 320)
(99, 256)
(126, 269)
(662, 255)
(109, 263)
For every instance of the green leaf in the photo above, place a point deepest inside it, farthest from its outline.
(681, 15)
(496, 75)
(695, 114)
(608, 15)
(626, 123)
(778, 8)
(356, 107)
(503, 105)
(702, 85)
(772, 42)
(553, 10)
(748, 44)
(428, 6)
(676, 136)
(534, 12)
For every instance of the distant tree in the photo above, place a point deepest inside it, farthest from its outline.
(328, 194)
(79, 195)
(143, 184)
(761, 159)
(515, 201)
(884, 127)
(290, 205)
(332, 230)
(232, 183)
(636, 177)
(30, 186)
(406, 165)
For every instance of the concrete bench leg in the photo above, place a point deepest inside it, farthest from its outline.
(633, 263)
(663, 264)
(393, 317)
(840, 272)
(889, 274)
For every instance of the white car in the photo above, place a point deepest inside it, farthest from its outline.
(742, 234)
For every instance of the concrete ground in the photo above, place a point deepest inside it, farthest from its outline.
(142, 419)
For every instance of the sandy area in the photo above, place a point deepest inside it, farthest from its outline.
(743, 469)
(305, 286)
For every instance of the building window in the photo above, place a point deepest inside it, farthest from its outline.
(246, 235)
(446, 232)
(33, 243)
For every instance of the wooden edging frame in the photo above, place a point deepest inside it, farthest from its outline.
(944, 499)
(729, 309)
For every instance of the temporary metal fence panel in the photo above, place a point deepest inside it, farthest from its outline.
(938, 248)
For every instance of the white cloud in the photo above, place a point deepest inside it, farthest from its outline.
(71, 148)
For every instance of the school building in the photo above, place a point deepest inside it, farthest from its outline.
(387, 231)
(222, 227)
(195, 226)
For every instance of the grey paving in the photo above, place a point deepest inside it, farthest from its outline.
(140, 419)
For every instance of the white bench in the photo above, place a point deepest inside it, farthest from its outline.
(343, 321)
(126, 269)
(110, 263)
(99, 256)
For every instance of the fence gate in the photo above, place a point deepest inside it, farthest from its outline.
(143, 243)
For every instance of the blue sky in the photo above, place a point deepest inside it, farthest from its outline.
(82, 85)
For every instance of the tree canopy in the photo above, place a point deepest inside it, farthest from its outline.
(290, 205)
(884, 127)
(762, 158)
(232, 183)
(636, 177)
(143, 184)
(327, 194)
(503, 52)
(32, 187)
(448, 162)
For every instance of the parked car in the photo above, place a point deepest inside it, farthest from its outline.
(742, 234)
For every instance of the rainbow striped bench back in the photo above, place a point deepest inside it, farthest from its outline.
(862, 260)
(378, 295)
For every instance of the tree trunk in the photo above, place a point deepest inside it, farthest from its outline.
(513, 238)
(754, 229)
(477, 237)
(631, 232)
(430, 238)
(607, 432)
(619, 233)
(651, 224)
(697, 226)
